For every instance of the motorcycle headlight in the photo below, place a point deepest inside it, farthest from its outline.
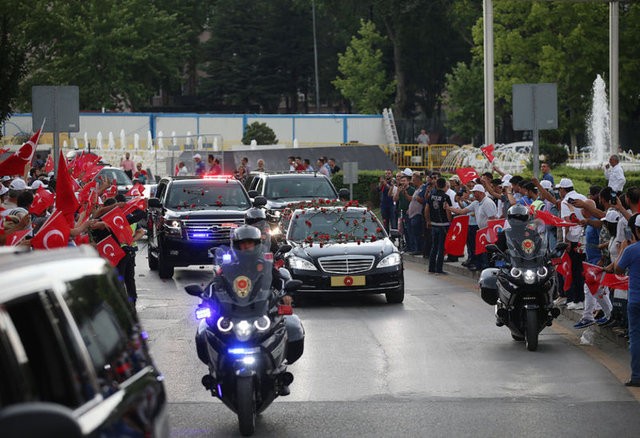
(224, 324)
(301, 264)
(529, 276)
(393, 259)
(542, 272)
(243, 330)
(262, 323)
(515, 272)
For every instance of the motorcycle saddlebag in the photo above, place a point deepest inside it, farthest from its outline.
(489, 285)
(295, 335)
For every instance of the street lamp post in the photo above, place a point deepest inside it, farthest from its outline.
(315, 55)
(489, 117)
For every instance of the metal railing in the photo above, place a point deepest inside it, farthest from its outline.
(419, 156)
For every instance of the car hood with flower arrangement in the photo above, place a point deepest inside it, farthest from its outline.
(343, 249)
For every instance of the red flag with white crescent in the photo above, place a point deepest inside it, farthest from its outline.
(110, 250)
(467, 174)
(495, 226)
(483, 238)
(564, 269)
(48, 165)
(135, 204)
(487, 151)
(111, 191)
(16, 237)
(66, 200)
(592, 276)
(457, 236)
(42, 200)
(16, 163)
(550, 219)
(119, 226)
(54, 233)
(136, 190)
(614, 281)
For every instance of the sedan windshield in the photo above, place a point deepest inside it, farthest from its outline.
(318, 187)
(116, 175)
(321, 225)
(207, 196)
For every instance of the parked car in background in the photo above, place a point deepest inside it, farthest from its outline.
(116, 174)
(73, 357)
(340, 249)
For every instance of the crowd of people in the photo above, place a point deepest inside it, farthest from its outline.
(598, 227)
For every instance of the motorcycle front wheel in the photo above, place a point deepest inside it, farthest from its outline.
(246, 406)
(531, 330)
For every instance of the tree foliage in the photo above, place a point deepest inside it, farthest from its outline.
(260, 132)
(12, 59)
(364, 81)
(464, 101)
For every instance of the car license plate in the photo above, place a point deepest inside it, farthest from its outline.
(348, 280)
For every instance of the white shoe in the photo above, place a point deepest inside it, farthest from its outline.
(560, 301)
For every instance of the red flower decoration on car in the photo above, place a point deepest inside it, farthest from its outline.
(308, 223)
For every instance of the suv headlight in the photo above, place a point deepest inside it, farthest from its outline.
(301, 264)
(393, 259)
(173, 226)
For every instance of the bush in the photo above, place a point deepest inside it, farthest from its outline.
(259, 132)
(365, 192)
(554, 154)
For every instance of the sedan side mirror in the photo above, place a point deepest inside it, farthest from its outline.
(283, 249)
(154, 203)
(344, 194)
(194, 289)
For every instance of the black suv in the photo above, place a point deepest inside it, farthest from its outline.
(73, 357)
(191, 215)
(283, 189)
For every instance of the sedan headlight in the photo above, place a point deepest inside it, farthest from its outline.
(301, 264)
(393, 259)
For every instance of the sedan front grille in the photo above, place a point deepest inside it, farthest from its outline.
(209, 229)
(346, 264)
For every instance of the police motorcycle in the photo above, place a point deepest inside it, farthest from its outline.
(523, 287)
(245, 336)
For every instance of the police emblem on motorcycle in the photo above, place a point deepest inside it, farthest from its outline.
(242, 286)
(528, 246)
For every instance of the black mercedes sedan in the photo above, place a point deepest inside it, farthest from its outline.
(343, 249)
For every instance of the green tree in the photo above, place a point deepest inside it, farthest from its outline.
(464, 101)
(12, 61)
(260, 132)
(120, 53)
(364, 81)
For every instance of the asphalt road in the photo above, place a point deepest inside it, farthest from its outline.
(434, 366)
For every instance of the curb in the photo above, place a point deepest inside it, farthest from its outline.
(571, 315)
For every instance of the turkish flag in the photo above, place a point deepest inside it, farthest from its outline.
(90, 173)
(136, 190)
(66, 200)
(550, 219)
(81, 239)
(495, 226)
(111, 191)
(135, 204)
(457, 236)
(118, 224)
(110, 250)
(614, 281)
(467, 174)
(564, 269)
(41, 201)
(85, 192)
(592, 276)
(483, 238)
(15, 164)
(54, 233)
(16, 237)
(48, 166)
(488, 152)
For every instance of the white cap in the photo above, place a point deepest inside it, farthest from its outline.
(197, 156)
(546, 184)
(454, 178)
(5, 178)
(51, 174)
(506, 178)
(505, 184)
(611, 216)
(407, 172)
(37, 184)
(478, 188)
(18, 184)
(3, 190)
(565, 183)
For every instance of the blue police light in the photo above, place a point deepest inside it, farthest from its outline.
(203, 312)
(241, 351)
(200, 235)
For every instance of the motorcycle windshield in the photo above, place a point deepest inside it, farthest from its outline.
(246, 278)
(526, 247)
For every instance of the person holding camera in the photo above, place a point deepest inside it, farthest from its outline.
(614, 174)
(387, 207)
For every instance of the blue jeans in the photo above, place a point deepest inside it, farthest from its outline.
(633, 313)
(436, 257)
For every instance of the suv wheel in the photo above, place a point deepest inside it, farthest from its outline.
(153, 260)
(165, 269)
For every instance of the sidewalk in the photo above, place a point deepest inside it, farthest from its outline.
(571, 315)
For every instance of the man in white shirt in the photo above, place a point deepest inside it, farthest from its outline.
(570, 213)
(614, 174)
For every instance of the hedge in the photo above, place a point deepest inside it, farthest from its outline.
(365, 191)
